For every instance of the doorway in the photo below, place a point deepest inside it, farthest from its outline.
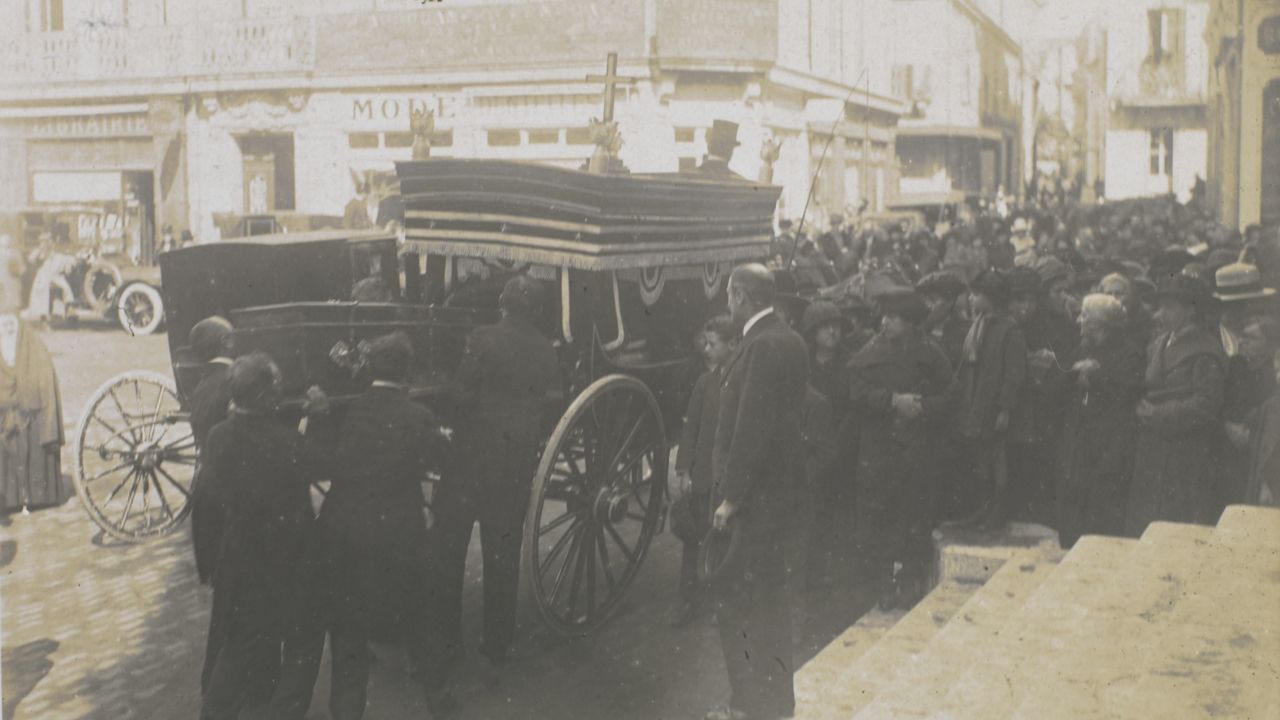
(138, 191)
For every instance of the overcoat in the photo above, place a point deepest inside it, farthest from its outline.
(759, 456)
(1095, 450)
(898, 458)
(31, 433)
(992, 379)
(262, 572)
(373, 533)
(698, 436)
(1174, 465)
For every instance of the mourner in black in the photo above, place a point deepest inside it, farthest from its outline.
(693, 461)
(210, 341)
(722, 138)
(904, 393)
(373, 533)
(260, 470)
(508, 370)
(759, 461)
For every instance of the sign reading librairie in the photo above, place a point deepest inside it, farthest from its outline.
(90, 126)
(1269, 35)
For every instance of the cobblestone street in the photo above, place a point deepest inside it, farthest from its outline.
(97, 629)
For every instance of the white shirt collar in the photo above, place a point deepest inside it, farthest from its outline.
(220, 361)
(389, 384)
(754, 319)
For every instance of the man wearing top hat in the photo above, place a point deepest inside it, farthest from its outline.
(722, 138)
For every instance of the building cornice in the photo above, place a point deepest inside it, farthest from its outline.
(828, 88)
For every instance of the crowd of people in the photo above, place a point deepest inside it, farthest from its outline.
(1091, 368)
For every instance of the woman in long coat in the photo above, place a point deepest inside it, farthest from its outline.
(1097, 443)
(1180, 413)
(903, 392)
(30, 420)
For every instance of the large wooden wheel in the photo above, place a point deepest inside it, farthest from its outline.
(595, 504)
(135, 457)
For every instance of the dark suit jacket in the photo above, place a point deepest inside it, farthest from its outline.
(372, 527)
(759, 456)
(995, 382)
(505, 375)
(698, 437)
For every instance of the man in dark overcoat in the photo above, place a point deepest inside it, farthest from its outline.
(373, 532)
(210, 341)
(507, 372)
(261, 469)
(759, 465)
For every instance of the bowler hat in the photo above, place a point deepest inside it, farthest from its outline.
(719, 553)
(792, 306)
(941, 282)
(1240, 281)
(903, 302)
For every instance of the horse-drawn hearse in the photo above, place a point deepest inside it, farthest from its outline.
(632, 264)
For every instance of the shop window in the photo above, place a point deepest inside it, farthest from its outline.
(397, 140)
(688, 163)
(578, 136)
(1161, 155)
(686, 134)
(544, 137)
(503, 138)
(442, 138)
(362, 141)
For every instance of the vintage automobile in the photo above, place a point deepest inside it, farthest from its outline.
(634, 264)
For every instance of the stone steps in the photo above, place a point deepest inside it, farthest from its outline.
(985, 626)
(1184, 622)
(850, 671)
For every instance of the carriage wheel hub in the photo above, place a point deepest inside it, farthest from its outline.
(149, 456)
(611, 506)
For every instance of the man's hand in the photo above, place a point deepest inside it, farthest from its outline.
(1237, 433)
(681, 484)
(723, 514)
(906, 405)
(317, 403)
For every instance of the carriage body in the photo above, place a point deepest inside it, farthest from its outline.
(632, 265)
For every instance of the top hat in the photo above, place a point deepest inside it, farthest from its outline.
(1024, 281)
(1240, 281)
(991, 283)
(723, 133)
(719, 554)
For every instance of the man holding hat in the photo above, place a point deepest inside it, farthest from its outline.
(722, 138)
(507, 372)
(758, 461)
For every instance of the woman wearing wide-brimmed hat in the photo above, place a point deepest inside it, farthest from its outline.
(1180, 413)
(903, 393)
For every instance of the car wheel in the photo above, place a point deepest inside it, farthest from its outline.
(140, 309)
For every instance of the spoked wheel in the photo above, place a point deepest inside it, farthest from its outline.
(135, 457)
(595, 505)
(140, 309)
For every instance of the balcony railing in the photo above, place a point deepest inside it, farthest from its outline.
(427, 38)
(104, 54)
